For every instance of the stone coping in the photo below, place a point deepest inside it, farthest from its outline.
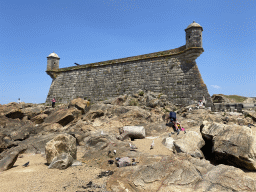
(176, 51)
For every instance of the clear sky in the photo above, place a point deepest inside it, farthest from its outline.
(87, 31)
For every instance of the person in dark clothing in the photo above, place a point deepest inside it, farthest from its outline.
(53, 102)
(172, 118)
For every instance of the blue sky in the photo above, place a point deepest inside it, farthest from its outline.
(87, 31)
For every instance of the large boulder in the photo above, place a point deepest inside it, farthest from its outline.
(8, 161)
(190, 143)
(169, 143)
(62, 116)
(80, 104)
(101, 147)
(232, 144)
(63, 143)
(133, 132)
(31, 112)
(39, 118)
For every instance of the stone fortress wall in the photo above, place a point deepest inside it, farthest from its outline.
(173, 72)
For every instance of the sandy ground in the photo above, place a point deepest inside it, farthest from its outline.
(37, 176)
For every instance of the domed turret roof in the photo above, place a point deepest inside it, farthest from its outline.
(194, 24)
(53, 55)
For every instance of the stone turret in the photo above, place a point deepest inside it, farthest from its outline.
(194, 35)
(52, 62)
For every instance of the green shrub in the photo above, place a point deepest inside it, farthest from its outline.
(133, 102)
(141, 93)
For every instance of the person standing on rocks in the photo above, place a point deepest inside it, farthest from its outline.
(19, 101)
(200, 104)
(53, 102)
(172, 117)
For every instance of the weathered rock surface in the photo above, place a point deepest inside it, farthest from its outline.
(14, 113)
(63, 143)
(62, 117)
(31, 112)
(169, 143)
(61, 161)
(39, 118)
(232, 144)
(35, 126)
(181, 173)
(54, 127)
(190, 143)
(101, 147)
(8, 161)
(94, 114)
(36, 144)
(133, 132)
(80, 104)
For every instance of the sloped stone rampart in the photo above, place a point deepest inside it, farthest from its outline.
(175, 75)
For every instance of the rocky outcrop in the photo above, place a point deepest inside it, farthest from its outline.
(80, 104)
(14, 113)
(54, 127)
(63, 143)
(94, 114)
(31, 112)
(8, 161)
(39, 118)
(190, 143)
(57, 132)
(36, 144)
(181, 173)
(232, 144)
(62, 117)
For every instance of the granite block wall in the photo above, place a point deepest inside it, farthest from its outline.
(175, 75)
